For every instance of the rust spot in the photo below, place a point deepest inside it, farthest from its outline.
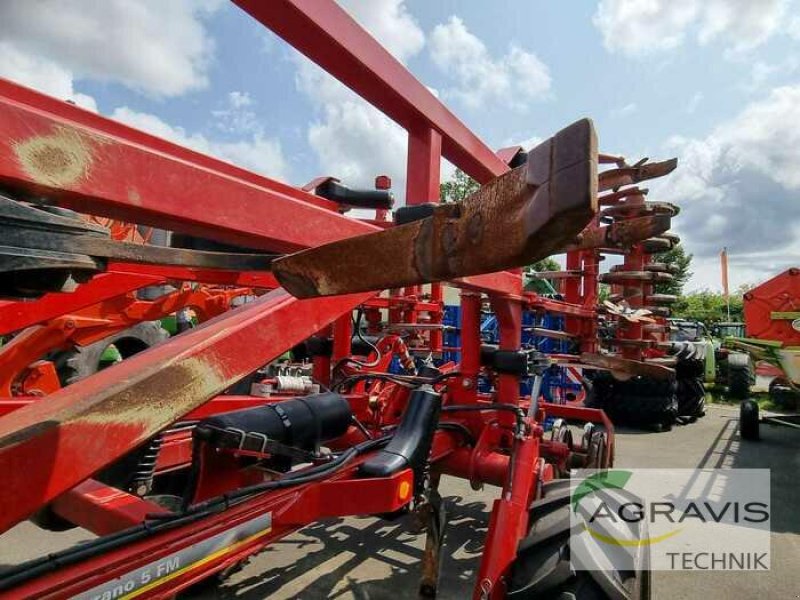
(159, 398)
(60, 159)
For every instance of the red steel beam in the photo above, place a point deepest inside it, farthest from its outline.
(18, 315)
(251, 279)
(98, 166)
(121, 278)
(326, 34)
(46, 448)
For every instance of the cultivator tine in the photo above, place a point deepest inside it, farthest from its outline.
(524, 215)
(622, 234)
(616, 178)
(623, 368)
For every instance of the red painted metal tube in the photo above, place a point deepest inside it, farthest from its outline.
(283, 511)
(98, 166)
(18, 315)
(483, 467)
(326, 34)
(102, 509)
(251, 279)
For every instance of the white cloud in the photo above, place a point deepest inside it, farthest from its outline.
(351, 139)
(739, 187)
(389, 22)
(43, 75)
(761, 72)
(355, 143)
(237, 117)
(793, 27)
(511, 80)
(645, 27)
(159, 48)
(527, 144)
(258, 153)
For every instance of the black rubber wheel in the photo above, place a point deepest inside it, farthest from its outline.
(740, 375)
(691, 398)
(783, 393)
(748, 420)
(599, 389)
(644, 402)
(542, 568)
(690, 368)
(83, 361)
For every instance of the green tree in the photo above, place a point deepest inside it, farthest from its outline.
(546, 264)
(680, 261)
(458, 188)
(708, 307)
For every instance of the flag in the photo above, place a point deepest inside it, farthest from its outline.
(723, 261)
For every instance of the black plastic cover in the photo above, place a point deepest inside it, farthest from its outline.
(412, 441)
(409, 214)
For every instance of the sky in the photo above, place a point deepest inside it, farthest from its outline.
(715, 83)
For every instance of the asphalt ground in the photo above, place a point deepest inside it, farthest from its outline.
(371, 559)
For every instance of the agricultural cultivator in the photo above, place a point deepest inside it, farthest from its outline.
(290, 388)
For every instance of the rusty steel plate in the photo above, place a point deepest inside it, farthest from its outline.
(622, 234)
(638, 209)
(621, 368)
(620, 276)
(520, 217)
(616, 178)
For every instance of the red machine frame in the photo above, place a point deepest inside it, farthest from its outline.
(50, 448)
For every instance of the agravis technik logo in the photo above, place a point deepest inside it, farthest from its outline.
(675, 519)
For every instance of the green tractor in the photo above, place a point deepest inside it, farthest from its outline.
(726, 363)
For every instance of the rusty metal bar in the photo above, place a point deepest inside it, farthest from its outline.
(524, 215)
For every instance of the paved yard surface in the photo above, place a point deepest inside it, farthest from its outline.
(367, 559)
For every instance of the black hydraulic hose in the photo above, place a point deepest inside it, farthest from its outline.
(407, 380)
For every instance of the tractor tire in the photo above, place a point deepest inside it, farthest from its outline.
(749, 421)
(83, 361)
(599, 389)
(644, 402)
(542, 569)
(690, 368)
(740, 375)
(783, 394)
(691, 398)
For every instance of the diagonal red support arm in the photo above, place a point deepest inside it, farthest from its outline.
(18, 315)
(49, 447)
(326, 34)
